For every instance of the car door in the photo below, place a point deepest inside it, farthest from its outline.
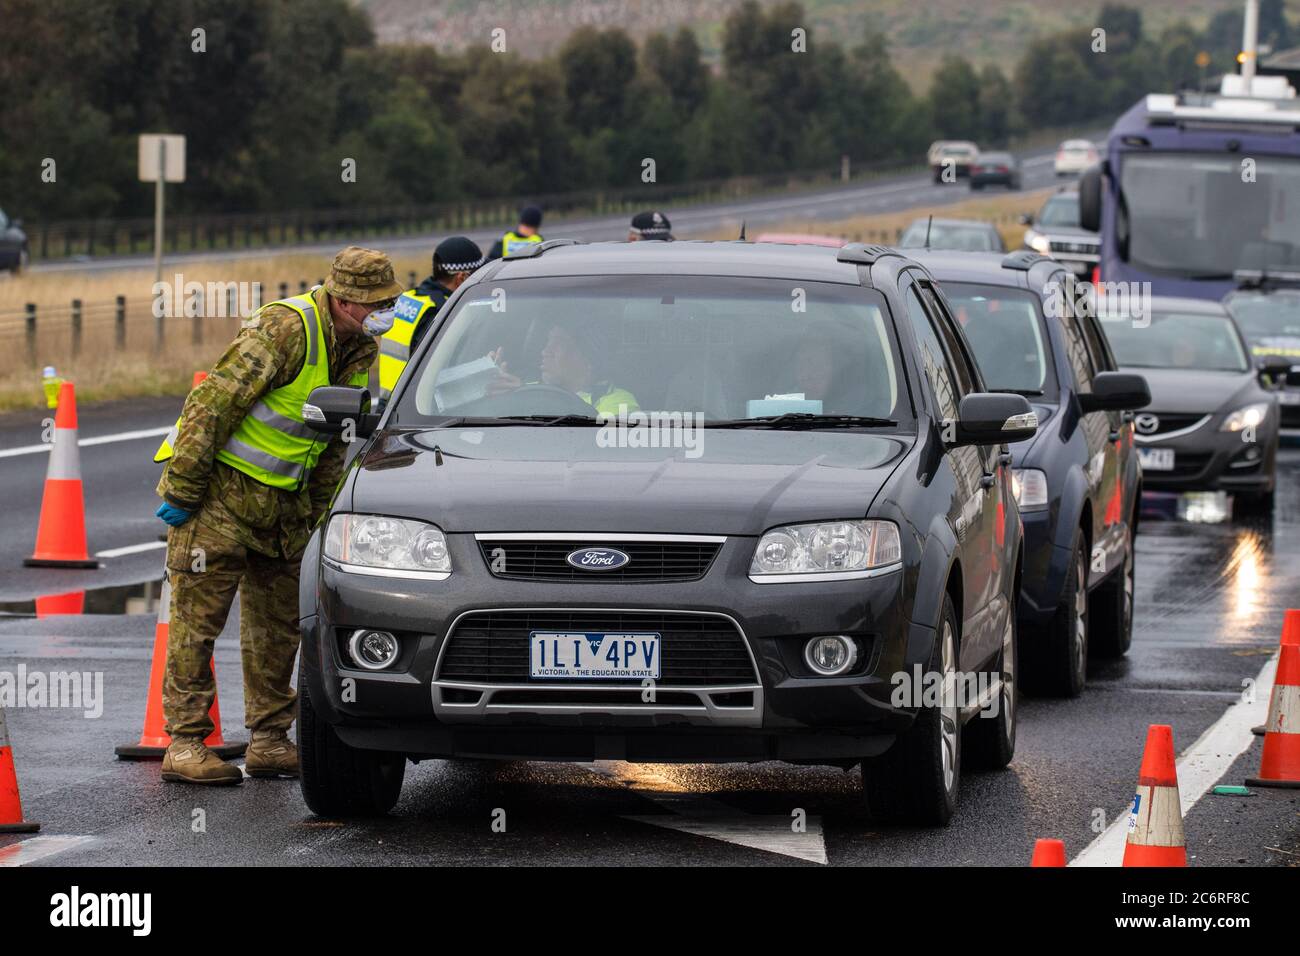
(1116, 505)
(994, 481)
(1101, 470)
(950, 382)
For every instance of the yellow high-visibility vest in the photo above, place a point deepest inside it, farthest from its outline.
(395, 346)
(512, 243)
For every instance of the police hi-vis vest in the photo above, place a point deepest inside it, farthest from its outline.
(273, 444)
(512, 243)
(395, 346)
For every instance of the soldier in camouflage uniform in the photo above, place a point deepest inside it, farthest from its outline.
(233, 532)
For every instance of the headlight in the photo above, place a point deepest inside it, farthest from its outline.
(395, 544)
(1030, 487)
(1038, 242)
(826, 551)
(1247, 417)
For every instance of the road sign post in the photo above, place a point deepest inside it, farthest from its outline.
(162, 160)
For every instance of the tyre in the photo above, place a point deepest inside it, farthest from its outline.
(989, 742)
(24, 259)
(916, 780)
(1056, 661)
(976, 187)
(1112, 608)
(338, 780)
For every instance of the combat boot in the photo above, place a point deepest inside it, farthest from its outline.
(271, 754)
(188, 761)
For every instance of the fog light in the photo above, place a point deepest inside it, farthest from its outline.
(373, 650)
(829, 656)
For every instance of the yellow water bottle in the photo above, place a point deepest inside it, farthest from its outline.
(51, 382)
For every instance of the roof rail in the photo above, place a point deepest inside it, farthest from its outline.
(1022, 260)
(863, 254)
(532, 250)
(1265, 279)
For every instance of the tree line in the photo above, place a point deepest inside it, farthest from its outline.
(275, 95)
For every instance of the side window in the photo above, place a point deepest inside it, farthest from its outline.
(944, 322)
(1076, 349)
(935, 362)
(1101, 358)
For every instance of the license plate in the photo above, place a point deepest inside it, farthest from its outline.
(594, 655)
(1156, 459)
(1289, 398)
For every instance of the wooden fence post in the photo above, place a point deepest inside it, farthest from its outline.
(31, 333)
(119, 324)
(76, 327)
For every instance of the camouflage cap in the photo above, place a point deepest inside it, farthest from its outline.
(362, 275)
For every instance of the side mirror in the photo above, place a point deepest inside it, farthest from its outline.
(1117, 392)
(991, 418)
(1090, 199)
(1025, 219)
(331, 408)
(1273, 367)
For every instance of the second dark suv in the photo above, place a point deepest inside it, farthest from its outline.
(1078, 481)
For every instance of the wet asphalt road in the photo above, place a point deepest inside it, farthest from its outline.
(1210, 598)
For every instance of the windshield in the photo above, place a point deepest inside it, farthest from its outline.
(1060, 211)
(1176, 340)
(570, 349)
(1266, 315)
(1006, 333)
(1196, 215)
(974, 238)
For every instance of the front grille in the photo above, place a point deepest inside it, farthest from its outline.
(1082, 248)
(491, 647)
(648, 560)
(1170, 421)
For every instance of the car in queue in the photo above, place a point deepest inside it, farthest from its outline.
(1267, 309)
(971, 235)
(1077, 481)
(1055, 232)
(701, 502)
(1212, 424)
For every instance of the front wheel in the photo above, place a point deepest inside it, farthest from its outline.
(1056, 661)
(989, 739)
(916, 780)
(338, 780)
(1112, 630)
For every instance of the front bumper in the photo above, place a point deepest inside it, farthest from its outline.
(1207, 459)
(779, 710)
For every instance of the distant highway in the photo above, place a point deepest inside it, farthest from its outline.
(885, 195)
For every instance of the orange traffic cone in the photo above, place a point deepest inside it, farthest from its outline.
(11, 807)
(1280, 764)
(1155, 825)
(154, 739)
(1049, 853)
(61, 534)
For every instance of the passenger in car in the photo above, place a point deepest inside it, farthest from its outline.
(571, 360)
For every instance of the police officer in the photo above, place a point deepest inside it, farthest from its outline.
(245, 483)
(650, 225)
(454, 261)
(524, 234)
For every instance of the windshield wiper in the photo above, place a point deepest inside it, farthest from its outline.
(1027, 392)
(482, 422)
(801, 420)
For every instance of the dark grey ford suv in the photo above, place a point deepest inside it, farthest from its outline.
(672, 502)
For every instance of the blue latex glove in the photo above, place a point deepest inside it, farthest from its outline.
(172, 515)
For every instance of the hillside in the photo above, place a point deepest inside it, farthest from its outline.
(920, 33)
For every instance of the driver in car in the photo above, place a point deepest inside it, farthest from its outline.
(569, 361)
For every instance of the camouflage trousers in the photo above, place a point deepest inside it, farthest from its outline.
(206, 570)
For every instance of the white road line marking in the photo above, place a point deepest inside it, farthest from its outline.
(39, 848)
(130, 549)
(703, 816)
(1199, 768)
(84, 442)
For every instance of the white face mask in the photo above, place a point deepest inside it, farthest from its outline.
(379, 321)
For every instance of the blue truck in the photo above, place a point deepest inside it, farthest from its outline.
(1196, 189)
